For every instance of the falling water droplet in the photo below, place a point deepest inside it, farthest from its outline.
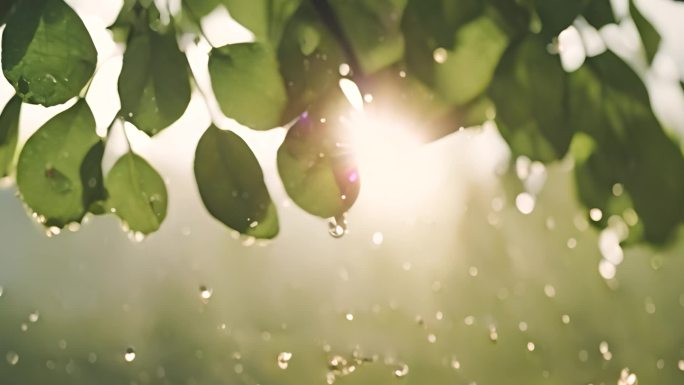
(205, 293)
(12, 358)
(33, 317)
(401, 371)
(284, 359)
(129, 355)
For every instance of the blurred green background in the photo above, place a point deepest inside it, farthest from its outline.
(441, 279)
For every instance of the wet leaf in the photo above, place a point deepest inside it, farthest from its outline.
(529, 91)
(9, 133)
(309, 57)
(373, 30)
(315, 164)
(49, 169)
(47, 53)
(247, 84)
(649, 35)
(137, 193)
(231, 184)
(153, 86)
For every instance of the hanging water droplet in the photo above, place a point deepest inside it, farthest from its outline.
(284, 359)
(52, 231)
(401, 371)
(337, 226)
(12, 358)
(205, 293)
(33, 317)
(129, 355)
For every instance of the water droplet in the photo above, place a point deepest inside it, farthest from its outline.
(344, 69)
(238, 368)
(549, 291)
(12, 358)
(129, 355)
(52, 231)
(401, 371)
(378, 238)
(605, 351)
(680, 365)
(205, 293)
(627, 378)
(337, 226)
(595, 214)
(284, 359)
(432, 338)
(33, 317)
(74, 227)
(572, 243)
(525, 203)
(618, 189)
(493, 334)
(455, 364)
(473, 271)
(469, 320)
(402, 74)
(565, 319)
(607, 269)
(136, 236)
(24, 327)
(522, 326)
(349, 316)
(440, 55)
(530, 346)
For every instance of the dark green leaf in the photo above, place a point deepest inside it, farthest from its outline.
(47, 53)
(201, 8)
(247, 84)
(631, 147)
(232, 186)
(649, 35)
(462, 71)
(137, 194)
(153, 86)
(529, 92)
(94, 193)
(6, 7)
(309, 57)
(265, 18)
(314, 161)
(373, 30)
(557, 15)
(49, 169)
(599, 13)
(9, 133)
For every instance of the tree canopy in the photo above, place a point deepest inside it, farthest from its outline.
(448, 63)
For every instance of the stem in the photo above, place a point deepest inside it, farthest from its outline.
(327, 14)
(197, 22)
(207, 100)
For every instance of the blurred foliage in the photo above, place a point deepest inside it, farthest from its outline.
(465, 61)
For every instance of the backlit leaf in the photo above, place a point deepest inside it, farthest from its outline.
(49, 172)
(231, 184)
(47, 53)
(9, 132)
(649, 35)
(137, 193)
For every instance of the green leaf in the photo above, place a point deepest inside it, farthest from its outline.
(649, 35)
(431, 24)
(265, 18)
(557, 15)
(6, 8)
(529, 92)
(153, 86)
(232, 186)
(49, 173)
(94, 192)
(373, 30)
(247, 84)
(9, 133)
(599, 13)
(47, 53)
(309, 57)
(201, 8)
(316, 167)
(137, 194)
(631, 147)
